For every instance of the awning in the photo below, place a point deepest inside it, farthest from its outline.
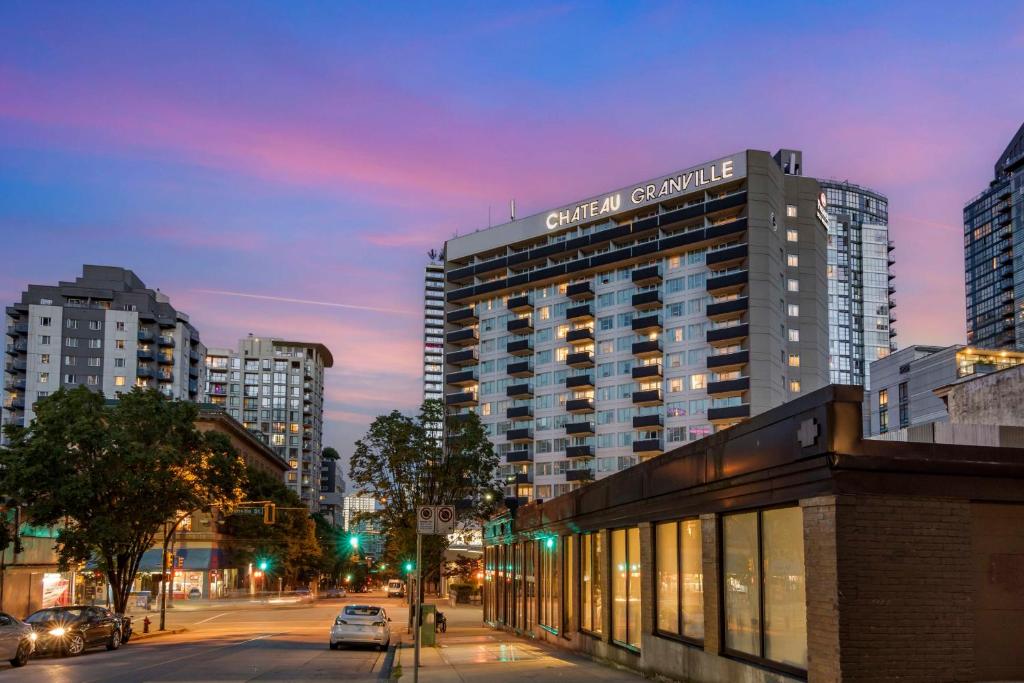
(194, 559)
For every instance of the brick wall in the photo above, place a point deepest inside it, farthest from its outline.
(709, 561)
(822, 595)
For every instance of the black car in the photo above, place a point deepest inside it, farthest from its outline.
(70, 630)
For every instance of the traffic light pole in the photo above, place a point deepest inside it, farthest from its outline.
(419, 599)
(163, 580)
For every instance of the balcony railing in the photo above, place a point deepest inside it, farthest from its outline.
(580, 313)
(647, 397)
(579, 381)
(579, 291)
(583, 475)
(579, 428)
(647, 371)
(579, 405)
(644, 301)
(728, 335)
(582, 451)
(647, 349)
(647, 275)
(520, 325)
(519, 456)
(519, 347)
(461, 399)
(725, 309)
(729, 413)
(728, 361)
(648, 422)
(519, 435)
(519, 391)
(519, 413)
(165, 341)
(584, 335)
(580, 359)
(462, 378)
(646, 324)
(463, 337)
(460, 358)
(520, 304)
(523, 368)
(728, 387)
(463, 316)
(647, 447)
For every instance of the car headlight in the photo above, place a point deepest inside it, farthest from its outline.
(379, 623)
(57, 632)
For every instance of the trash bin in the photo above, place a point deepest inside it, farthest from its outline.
(428, 617)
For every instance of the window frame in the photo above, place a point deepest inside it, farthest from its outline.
(678, 637)
(609, 567)
(596, 616)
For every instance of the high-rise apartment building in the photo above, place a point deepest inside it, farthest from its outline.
(106, 331)
(352, 506)
(608, 330)
(332, 491)
(275, 387)
(860, 281)
(433, 328)
(994, 255)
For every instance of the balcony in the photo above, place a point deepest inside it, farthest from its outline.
(464, 337)
(582, 313)
(647, 275)
(145, 354)
(648, 422)
(145, 372)
(726, 336)
(217, 378)
(719, 285)
(648, 397)
(646, 301)
(461, 358)
(520, 326)
(522, 435)
(193, 371)
(727, 256)
(580, 381)
(579, 428)
(462, 399)
(17, 328)
(17, 347)
(519, 391)
(580, 359)
(651, 371)
(165, 359)
(727, 309)
(463, 316)
(583, 335)
(647, 324)
(647, 349)
(520, 304)
(17, 403)
(729, 413)
(519, 478)
(15, 384)
(728, 361)
(165, 341)
(519, 456)
(462, 378)
(17, 364)
(523, 368)
(195, 356)
(729, 387)
(519, 413)
(165, 376)
(581, 475)
(584, 451)
(520, 347)
(579, 291)
(577, 406)
(647, 447)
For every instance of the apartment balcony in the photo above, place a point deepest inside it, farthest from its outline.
(519, 391)
(519, 347)
(727, 336)
(145, 354)
(724, 310)
(165, 341)
(580, 475)
(16, 403)
(648, 397)
(464, 337)
(648, 422)
(647, 447)
(579, 291)
(583, 335)
(462, 399)
(648, 275)
(15, 384)
(649, 348)
(580, 359)
(729, 387)
(519, 435)
(166, 322)
(193, 371)
(578, 406)
(520, 325)
(17, 347)
(519, 478)
(579, 428)
(726, 257)
(462, 378)
(729, 413)
(463, 316)
(581, 313)
(165, 376)
(17, 328)
(195, 356)
(720, 285)
(647, 324)
(165, 359)
(523, 368)
(517, 413)
(646, 301)
(519, 456)
(652, 371)
(520, 304)
(145, 373)
(580, 381)
(727, 362)
(584, 451)
(462, 358)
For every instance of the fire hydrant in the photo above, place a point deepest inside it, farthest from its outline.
(145, 625)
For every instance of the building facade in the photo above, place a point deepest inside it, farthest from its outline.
(605, 332)
(860, 281)
(433, 328)
(903, 387)
(275, 387)
(105, 330)
(785, 549)
(994, 255)
(332, 491)
(353, 506)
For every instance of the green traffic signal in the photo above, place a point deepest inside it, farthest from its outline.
(408, 566)
(353, 541)
(263, 565)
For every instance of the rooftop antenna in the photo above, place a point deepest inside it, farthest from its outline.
(512, 208)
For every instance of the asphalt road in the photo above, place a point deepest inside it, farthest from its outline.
(241, 643)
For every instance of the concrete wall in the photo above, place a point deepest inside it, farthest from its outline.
(992, 399)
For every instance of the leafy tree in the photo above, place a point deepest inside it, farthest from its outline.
(402, 462)
(112, 475)
(330, 454)
(465, 568)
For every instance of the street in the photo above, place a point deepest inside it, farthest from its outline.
(236, 643)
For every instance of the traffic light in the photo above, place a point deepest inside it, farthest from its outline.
(408, 567)
(169, 560)
(269, 513)
(353, 542)
(263, 565)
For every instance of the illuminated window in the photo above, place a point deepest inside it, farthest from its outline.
(790, 211)
(793, 310)
(883, 397)
(680, 579)
(794, 360)
(794, 386)
(626, 586)
(792, 260)
(119, 380)
(792, 285)
(794, 335)
(792, 235)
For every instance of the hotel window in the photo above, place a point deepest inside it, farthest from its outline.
(118, 380)
(794, 360)
(592, 568)
(680, 579)
(550, 582)
(71, 342)
(793, 310)
(70, 379)
(792, 235)
(763, 574)
(790, 211)
(626, 586)
(792, 260)
(792, 285)
(794, 335)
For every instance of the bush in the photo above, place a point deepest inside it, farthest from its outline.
(462, 591)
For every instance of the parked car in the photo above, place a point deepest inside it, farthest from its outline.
(395, 588)
(333, 593)
(70, 630)
(195, 593)
(126, 627)
(17, 640)
(361, 624)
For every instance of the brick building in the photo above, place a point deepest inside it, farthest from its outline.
(786, 548)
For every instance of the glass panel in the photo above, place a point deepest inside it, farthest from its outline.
(785, 607)
(569, 552)
(693, 579)
(586, 585)
(666, 554)
(600, 567)
(635, 595)
(742, 599)
(620, 580)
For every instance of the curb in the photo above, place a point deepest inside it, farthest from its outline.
(156, 634)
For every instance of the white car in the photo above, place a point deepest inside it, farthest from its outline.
(361, 624)
(17, 640)
(395, 589)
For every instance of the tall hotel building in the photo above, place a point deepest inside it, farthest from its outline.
(860, 281)
(994, 255)
(604, 332)
(433, 328)
(106, 331)
(275, 388)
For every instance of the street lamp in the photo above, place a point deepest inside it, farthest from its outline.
(353, 542)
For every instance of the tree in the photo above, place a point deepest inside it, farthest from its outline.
(330, 454)
(402, 463)
(110, 476)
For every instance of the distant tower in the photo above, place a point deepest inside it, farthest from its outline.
(433, 326)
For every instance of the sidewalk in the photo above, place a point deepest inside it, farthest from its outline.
(470, 651)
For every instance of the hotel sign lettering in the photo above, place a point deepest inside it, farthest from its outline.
(648, 193)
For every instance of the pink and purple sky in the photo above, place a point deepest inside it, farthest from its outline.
(316, 151)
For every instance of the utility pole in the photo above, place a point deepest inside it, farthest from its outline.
(419, 600)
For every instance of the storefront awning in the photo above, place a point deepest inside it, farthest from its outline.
(194, 559)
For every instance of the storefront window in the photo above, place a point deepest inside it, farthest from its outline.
(742, 583)
(666, 554)
(549, 583)
(568, 572)
(680, 579)
(626, 595)
(591, 579)
(693, 579)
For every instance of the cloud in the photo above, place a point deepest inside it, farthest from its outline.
(308, 302)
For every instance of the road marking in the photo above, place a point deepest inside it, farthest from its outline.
(211, 618)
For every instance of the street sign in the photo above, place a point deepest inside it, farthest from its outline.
(425, 519)
(444, 519)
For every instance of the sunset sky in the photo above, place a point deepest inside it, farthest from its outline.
(315, 151)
